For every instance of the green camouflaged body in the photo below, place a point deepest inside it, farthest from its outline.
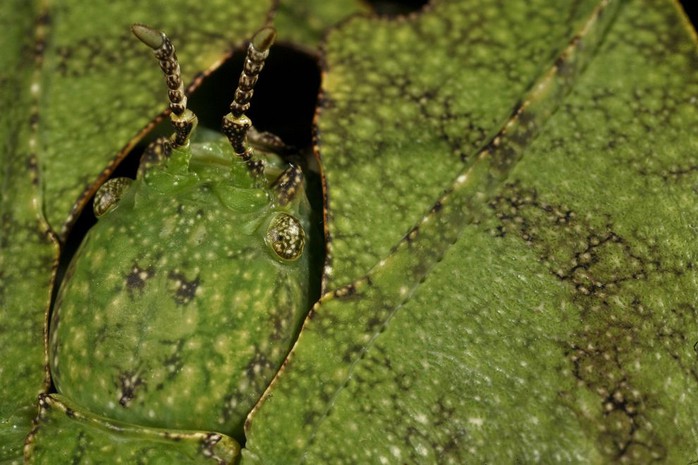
(176, 312)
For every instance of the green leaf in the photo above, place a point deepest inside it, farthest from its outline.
(303, 24)
(560, 326)
(27, 249)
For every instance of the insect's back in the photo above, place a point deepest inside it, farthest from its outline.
(184, 299)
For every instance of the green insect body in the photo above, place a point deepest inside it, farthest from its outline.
(184, 299)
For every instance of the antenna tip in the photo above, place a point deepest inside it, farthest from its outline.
(264, 38)
(149, 36)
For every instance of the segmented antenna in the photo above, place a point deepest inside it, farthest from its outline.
(183, 119)
(236, 124)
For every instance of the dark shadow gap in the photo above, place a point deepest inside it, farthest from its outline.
(691, 9)
(393, 8)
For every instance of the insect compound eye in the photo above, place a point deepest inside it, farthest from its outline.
(286, 237)
(108, 195)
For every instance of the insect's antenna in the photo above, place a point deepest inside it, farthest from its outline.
(183, 119)
(236, 124)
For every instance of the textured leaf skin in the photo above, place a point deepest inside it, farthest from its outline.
(27, 249)
(560, 326)
(439, 87)
(303, 24)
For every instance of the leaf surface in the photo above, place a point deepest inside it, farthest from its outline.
(408, 103)
(303, 24)
(27, 250)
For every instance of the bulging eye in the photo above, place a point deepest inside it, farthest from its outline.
(286, 237)
(109, 195)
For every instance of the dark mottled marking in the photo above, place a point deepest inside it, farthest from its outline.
(352, 352)
(257, 365)
(186, 290)
(598, 278)
(310, 417)
(373, 323)
(137, 278)
(129, 382)
(175, 361)
(208, 443)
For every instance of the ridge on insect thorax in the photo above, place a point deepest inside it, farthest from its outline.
(211, 157)
(210, 163)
